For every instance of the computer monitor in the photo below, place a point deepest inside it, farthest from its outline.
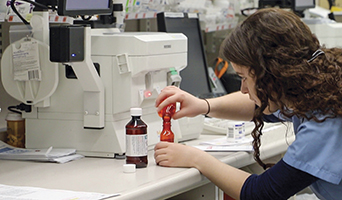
(301, 5)
(275, 3)
(85, 7)
(298, 6)
(195, 79)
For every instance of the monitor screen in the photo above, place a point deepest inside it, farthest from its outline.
(275, 3)
(300, 5)
(296, 5)
(195, 79)
(84, 7)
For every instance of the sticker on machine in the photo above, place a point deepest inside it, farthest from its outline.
(26, 61)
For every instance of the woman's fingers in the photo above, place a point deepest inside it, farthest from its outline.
(160, 153)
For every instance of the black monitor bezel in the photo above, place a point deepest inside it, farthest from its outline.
(161, 23)
(64, 12)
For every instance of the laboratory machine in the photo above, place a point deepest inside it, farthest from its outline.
(81, 82)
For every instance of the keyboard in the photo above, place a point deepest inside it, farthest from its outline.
(220, 126)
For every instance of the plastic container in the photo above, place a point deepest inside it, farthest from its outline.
(136, 140)
(15, 130)
(236, 131)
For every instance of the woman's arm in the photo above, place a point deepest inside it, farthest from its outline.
(228, 178)
(235, 106)
(279, 182)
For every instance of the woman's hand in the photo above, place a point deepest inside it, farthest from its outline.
(190, 106)
(226, 177)
(176, 155)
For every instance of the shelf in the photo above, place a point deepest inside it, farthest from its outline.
(13, 18)
(141, 15)
(53, 18)
(219, 27)
(2, 17)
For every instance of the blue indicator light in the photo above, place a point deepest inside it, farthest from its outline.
(73, 55)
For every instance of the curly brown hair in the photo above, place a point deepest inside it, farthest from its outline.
(276, 45)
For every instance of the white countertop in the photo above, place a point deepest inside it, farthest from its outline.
(104, 175)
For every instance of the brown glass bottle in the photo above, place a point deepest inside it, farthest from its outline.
(166, 134)
(136, 140)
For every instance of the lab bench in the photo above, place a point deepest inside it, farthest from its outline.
(104, 175)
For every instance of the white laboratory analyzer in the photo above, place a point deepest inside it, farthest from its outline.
(81, 83)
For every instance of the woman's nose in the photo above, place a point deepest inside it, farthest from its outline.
(243, 87)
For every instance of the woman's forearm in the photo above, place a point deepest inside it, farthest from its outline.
(234, 106)
(229, 179)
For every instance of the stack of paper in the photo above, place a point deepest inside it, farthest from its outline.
(47, 155)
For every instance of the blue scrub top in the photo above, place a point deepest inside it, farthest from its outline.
(317, 150)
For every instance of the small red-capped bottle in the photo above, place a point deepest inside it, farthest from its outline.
(166, 114)
(169, 109)
(166, 134)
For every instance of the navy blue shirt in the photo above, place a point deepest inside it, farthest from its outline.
(279, 182)
(314, 159)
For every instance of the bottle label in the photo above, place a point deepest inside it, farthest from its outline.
(136, 145)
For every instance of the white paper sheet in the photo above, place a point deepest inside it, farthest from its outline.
(45, 155)
(35, 193)
(222, 144)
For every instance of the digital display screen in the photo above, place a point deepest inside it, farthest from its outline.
(296, 5)
(84, 7)
(303, 4)
(86, 4)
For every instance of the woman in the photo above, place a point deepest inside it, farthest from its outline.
(286, 76)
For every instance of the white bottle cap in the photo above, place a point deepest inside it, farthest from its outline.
(136, 111)
(129, 168)
(12, 116)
